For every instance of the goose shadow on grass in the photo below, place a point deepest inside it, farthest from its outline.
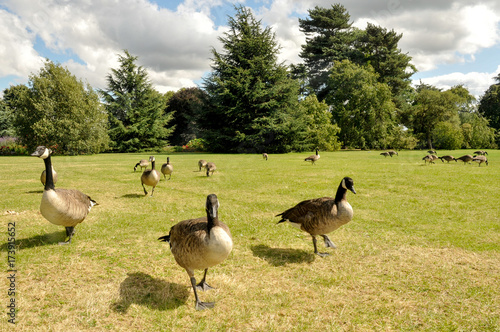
(280, 257)
(156, 294)
(133, 195)
(37, 240)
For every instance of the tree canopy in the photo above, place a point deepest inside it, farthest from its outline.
(58, 110)
(137, 119)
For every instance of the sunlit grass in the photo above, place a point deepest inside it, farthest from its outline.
(421, 253)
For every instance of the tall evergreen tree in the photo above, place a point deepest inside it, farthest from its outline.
(252, 98)
(136, 110)
(489, 105)
(57, 109)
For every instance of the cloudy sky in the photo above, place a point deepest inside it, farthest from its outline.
(451, 42)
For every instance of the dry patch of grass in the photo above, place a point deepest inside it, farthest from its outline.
(422, 252)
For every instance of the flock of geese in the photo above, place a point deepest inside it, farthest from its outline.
(478, 157)
(200, 243)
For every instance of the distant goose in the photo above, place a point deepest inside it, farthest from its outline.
(143, 163)
(150, 177)
(43, 176)
(392, 153)
(313, 158)
(167, 169)
(465, 158)
(429, 159)
(432, 152)
(434, 157)
(63, 207)
(448, 158)
(210, 168)
(480, 160)
(481, 152)
(385, 154)
(198, 244)
(323, 215)
(265, 156)
(201, 164)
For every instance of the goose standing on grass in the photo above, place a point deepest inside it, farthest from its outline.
(150, 177)
(143, 163)
(385, 154)
(392, 153)
(210, 168)
(481, 152)
(432, 151)
(480, 160)
(43, 176)
(167, 169)
(198, 244)
(448, 158)
(465, 158)
(323, 215)
(201, 164)
(429, 159)
(63, 207)
(265, 156)
(313, 158)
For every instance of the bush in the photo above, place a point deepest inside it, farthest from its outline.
(9, 147)
(447, 136)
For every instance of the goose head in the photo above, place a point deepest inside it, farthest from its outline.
(212, 206)
(348, 184)
(42, 152)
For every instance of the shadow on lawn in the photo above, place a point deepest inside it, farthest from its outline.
(141, 288)
(133, 195)
(280, 257)
(37, 240)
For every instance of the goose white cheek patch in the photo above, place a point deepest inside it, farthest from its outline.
(343, 184)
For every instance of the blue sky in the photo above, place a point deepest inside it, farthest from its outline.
(451, 42)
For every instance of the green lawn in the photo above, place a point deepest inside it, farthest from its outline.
(421, 253)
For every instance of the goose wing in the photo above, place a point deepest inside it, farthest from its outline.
(308, 211)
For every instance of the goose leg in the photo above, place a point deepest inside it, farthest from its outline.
(145, 192)
(69, 234)
(152, 191)
(322, 254)
(203, 285)
(328, 242)
(200, 305)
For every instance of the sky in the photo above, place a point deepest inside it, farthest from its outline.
(450, 41)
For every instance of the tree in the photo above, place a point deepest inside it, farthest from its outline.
(56, 109)
(321, 132)
(252, 99)
(6, 120)
(476, 131)
(489, 105)
(137, 118)
(329, 38)
(361, 106)
(447, 136)
(186, 106)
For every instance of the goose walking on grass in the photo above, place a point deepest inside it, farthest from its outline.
(321, 216)
(465, 158)
(167, 169)
(480, 159)
(265, 156)
(198, 244)
(313, 158)
(143, 163)
(448, 158)
(392, 153)
(385, 154)
(150, 177)
(201, 164)
(210, 168)
(63, 207)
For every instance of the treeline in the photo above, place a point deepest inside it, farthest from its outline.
(352, 90)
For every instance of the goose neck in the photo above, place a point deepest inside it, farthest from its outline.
(49, 178)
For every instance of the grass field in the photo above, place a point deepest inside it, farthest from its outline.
(421, 253)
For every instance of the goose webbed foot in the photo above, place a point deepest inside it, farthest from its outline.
(328, 242)
(70, 231)
(321, 254)
(204, 305)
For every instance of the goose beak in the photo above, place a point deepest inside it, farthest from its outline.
(352, 189)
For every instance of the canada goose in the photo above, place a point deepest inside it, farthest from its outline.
(429, 159)
(143, 163)
(323, 215)
(432, 152)
(481, 152)
(480, 160)
(465, 158)
(43, 176)
(201, 164)
(434, 157)
(385, 154)
(448, 158)
(264, 156)
(198, 244)
(64, 207)
(167, 169)
(150, 177)
(210, 168)
(313, 158)
(392, 153)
